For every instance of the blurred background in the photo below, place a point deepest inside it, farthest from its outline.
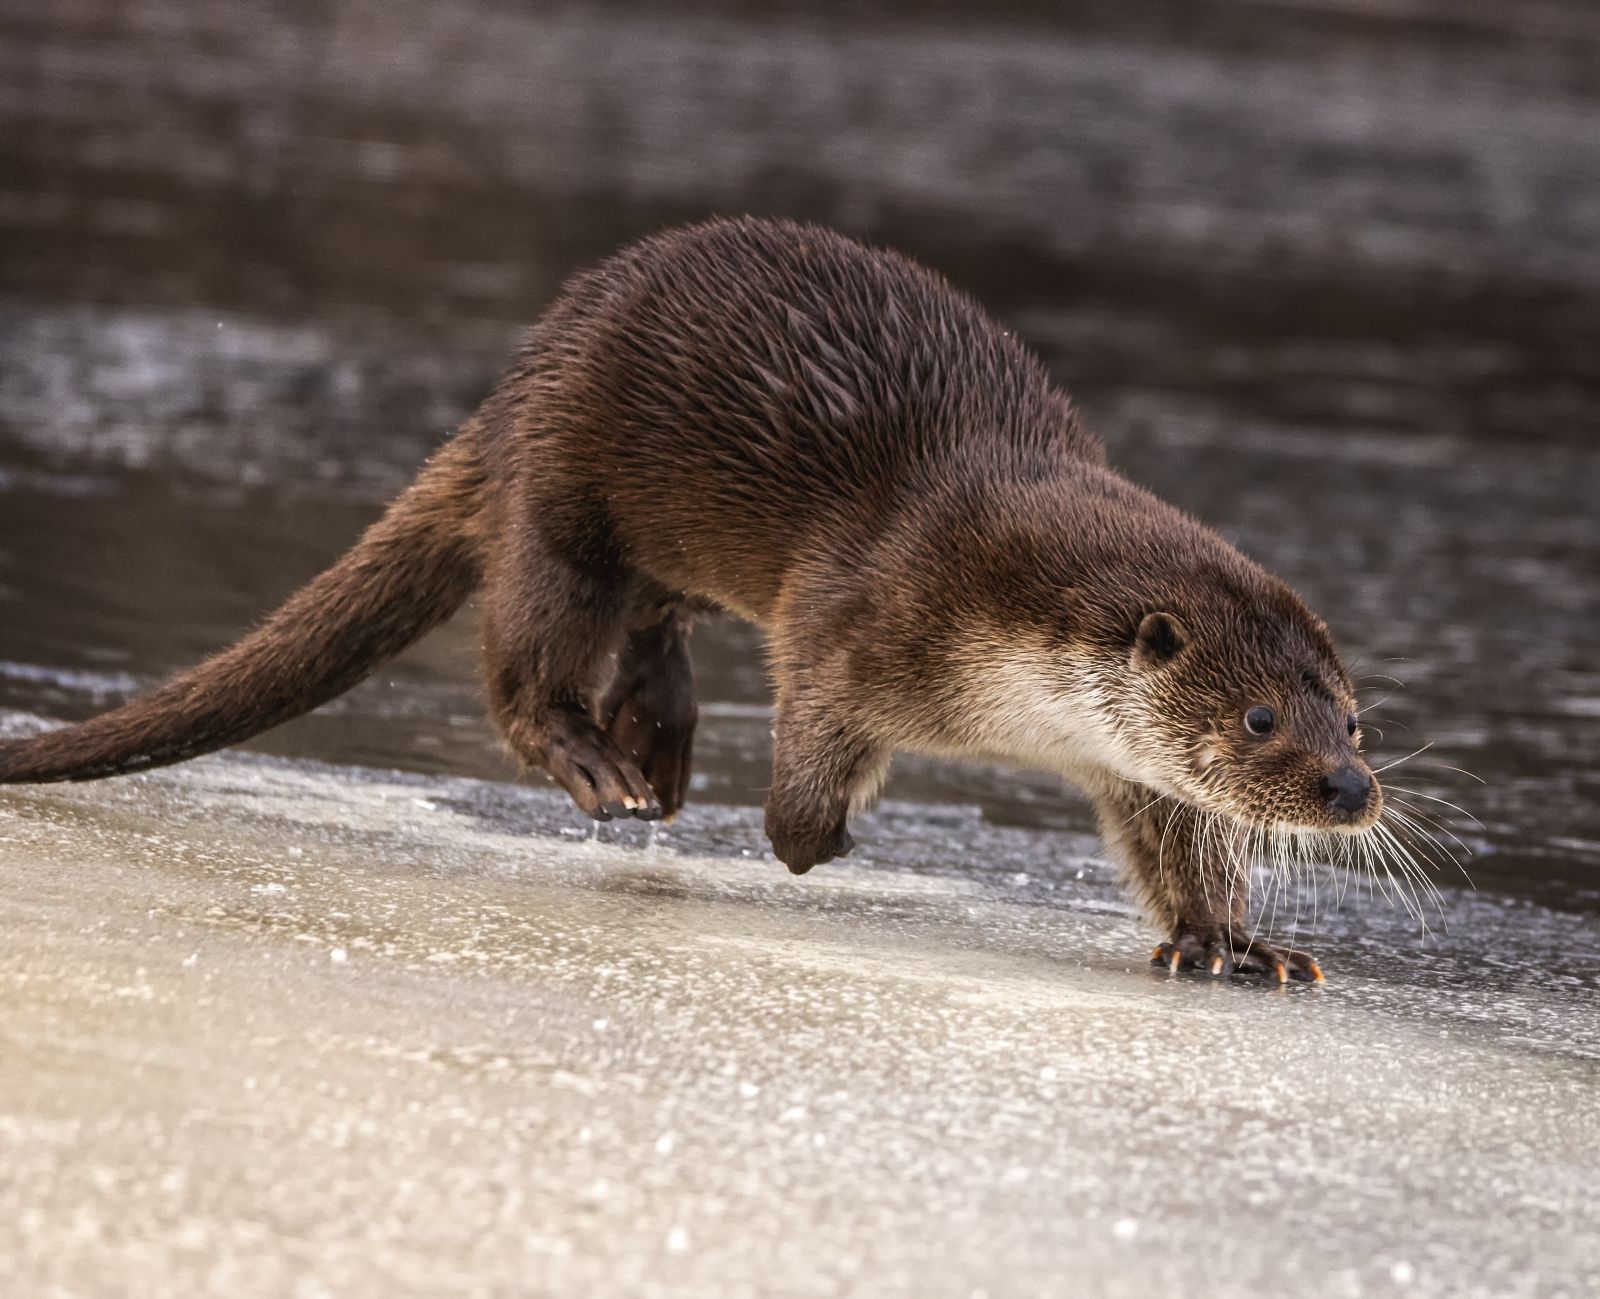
(1322, 272)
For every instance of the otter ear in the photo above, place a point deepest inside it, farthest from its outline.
(1160, 639)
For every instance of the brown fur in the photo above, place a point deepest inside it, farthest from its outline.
(834, 443)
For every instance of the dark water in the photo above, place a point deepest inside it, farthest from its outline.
(1324, 274)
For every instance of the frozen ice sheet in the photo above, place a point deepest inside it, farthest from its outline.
(275, 1028)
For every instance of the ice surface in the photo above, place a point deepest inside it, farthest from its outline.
(276, 1028)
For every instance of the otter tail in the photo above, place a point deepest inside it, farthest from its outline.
(410, 571)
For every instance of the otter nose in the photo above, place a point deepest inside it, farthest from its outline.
(1346, 789)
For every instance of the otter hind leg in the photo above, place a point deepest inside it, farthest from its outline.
(548, 627)
(649, 709)
(588, 764)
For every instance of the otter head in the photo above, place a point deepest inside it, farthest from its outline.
(1235, 696)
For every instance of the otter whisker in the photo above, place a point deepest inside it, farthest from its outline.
(1437, 902)
(1208, 825)
(1275, 872)
(1369, 864)
(1389, 765)
(1381, 861)
(1364, 857)
(1428, 846)
(1445, 766)
(1220, 842)
(1354, 853)
(1249, 850)
(1413, 871)
(1417, 871)
(1337, 857)
(1269, 910)
(1233, 879)
(1161, 846)
(1145, 808)
(1301, 856)
(1241, 854)
(1369, 869)
(1312, 870)
(1288, 854)
(1298, 862)
(1288, 873)
(1416, 813)
(1419, 849)
(1407, 818)
(1417, 793)
(1406, 894)
(1406, 861)
(1235, 855)
(1328, 849)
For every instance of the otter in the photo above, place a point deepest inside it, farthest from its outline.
(831, 441)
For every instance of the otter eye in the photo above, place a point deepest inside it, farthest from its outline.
(1350, 724)
(1260, 720)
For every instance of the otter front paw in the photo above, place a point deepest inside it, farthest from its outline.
(1225, 951)
(800, 845)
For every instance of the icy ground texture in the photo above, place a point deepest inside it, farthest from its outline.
(277, 1029)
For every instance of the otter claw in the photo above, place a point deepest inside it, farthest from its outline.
(1221, 953)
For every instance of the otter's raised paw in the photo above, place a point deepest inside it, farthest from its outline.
(588, 765)
(649, 713)
(1219, 952)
